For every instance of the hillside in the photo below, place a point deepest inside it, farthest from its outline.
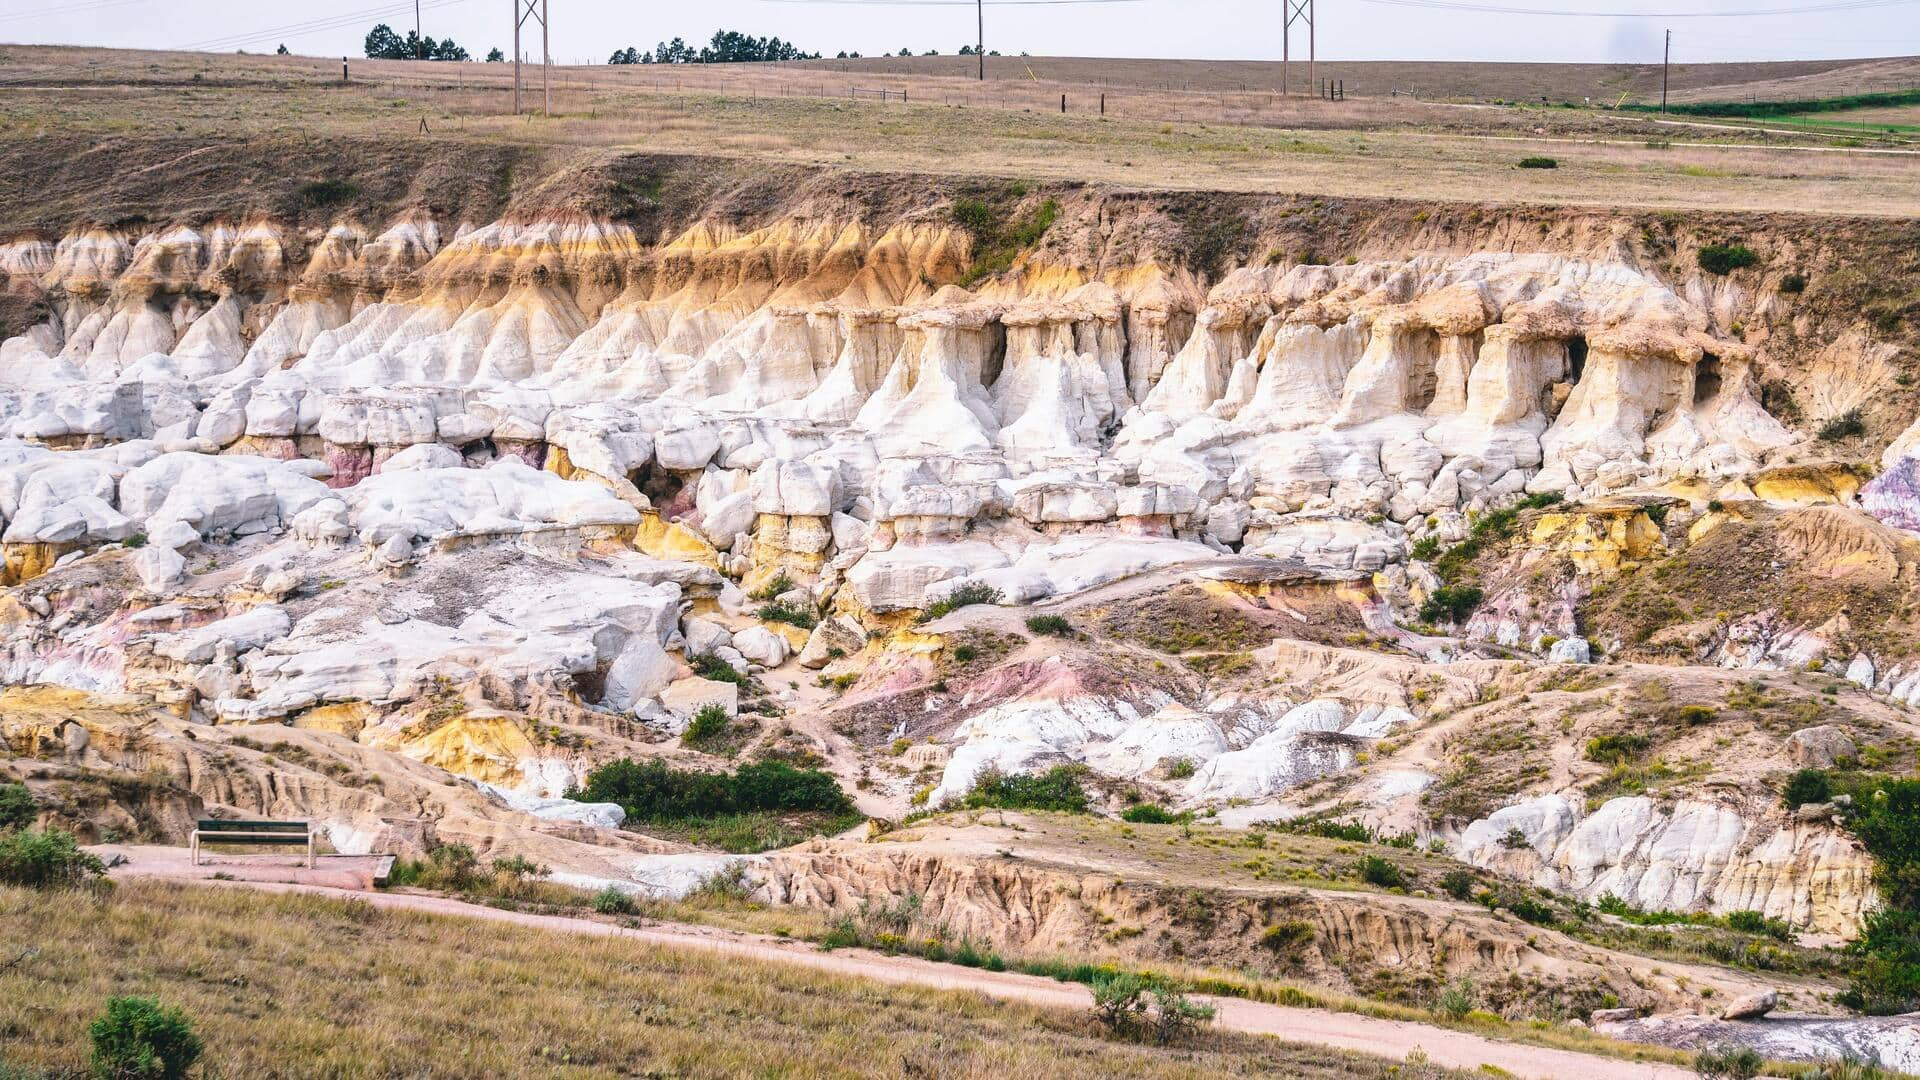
(1452, 561)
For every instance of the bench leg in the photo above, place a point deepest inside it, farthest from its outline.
(309, 851)
(193, 845)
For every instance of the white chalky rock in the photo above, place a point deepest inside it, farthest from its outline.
(705, 636)
(727, 519)
(899, 578)
(506, 498)
(794, 489)
(241, 633)
(1571, 650)
(1174, 733)
(1310, 740)
(174, 534)
(226, 495)
(1028, 733)
(159, 567)
(423, 456)
(598, 815)
(762, 646)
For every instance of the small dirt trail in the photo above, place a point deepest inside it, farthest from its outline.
(1391, 1039)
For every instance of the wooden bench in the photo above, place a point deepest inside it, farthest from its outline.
(264, 833)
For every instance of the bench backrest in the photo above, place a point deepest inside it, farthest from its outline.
(291, 828)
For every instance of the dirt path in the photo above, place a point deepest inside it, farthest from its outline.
(1391, 1039)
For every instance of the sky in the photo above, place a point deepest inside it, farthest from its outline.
(585, 31)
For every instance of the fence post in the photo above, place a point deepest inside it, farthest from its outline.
(1063, 103)
(343, 69)
(1103, 104)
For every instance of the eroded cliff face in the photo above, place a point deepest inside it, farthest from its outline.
(427, 475)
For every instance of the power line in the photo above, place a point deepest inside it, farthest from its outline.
(1497, 9)
(64, 9)
(312, 26)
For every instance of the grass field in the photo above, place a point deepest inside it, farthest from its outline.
(1371, 147)
(304, 986)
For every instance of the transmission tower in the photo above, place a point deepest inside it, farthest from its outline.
(523, 11)
(1295, 11)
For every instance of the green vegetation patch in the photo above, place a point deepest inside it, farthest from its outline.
(999, 236)
(1060, 788)
(762, 805)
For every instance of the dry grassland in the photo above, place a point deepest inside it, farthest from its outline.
(297, 986)
(1375, 148)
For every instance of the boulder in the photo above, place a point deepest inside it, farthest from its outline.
(1819, 747)
(1751, 1006)
(761, 646)
(159, 567)
(1571, 650)
(690, 695)
(839, 633)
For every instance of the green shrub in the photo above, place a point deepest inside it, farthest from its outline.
(1727, 1062)
(1175, 1017)
(327, 192)
(1807, 786)
(1752, 922)
(1725, 258)
(1149, 814)
(1528, 908)
(519, 868)
(967, 595)
(611, 901)
(1286, 936)
(1458, 884)
(712, 668)
(1453, 603)
(454, 865)
(709, 722)
(1051, 625)
(973, 215)
(17, 808)
(1538, 163)
(1616, 749)
(1384, 873)
(1119, 1000)
(1180, 769)
(1793, 283)
(791, 614)
(140, 1039)
(1425, 549)
(1456, 1001)
(136, 541)
(965, 654)
(49, 859)
(1057, 789)
(1847, 425)
(652, 791)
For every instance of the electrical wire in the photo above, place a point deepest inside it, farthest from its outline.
(311, 26)
(1499, 9)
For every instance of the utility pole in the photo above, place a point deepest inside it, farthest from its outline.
(1666, 63)
(980, 49)
(1295, 11)
(522, 11)
(419, 43)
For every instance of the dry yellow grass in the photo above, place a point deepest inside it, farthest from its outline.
(303, 986)
(1365, 148)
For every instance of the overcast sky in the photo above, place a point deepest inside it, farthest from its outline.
(587, 30)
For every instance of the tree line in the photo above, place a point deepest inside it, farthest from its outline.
(384, 44)
(727, 47)
(733, 47)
